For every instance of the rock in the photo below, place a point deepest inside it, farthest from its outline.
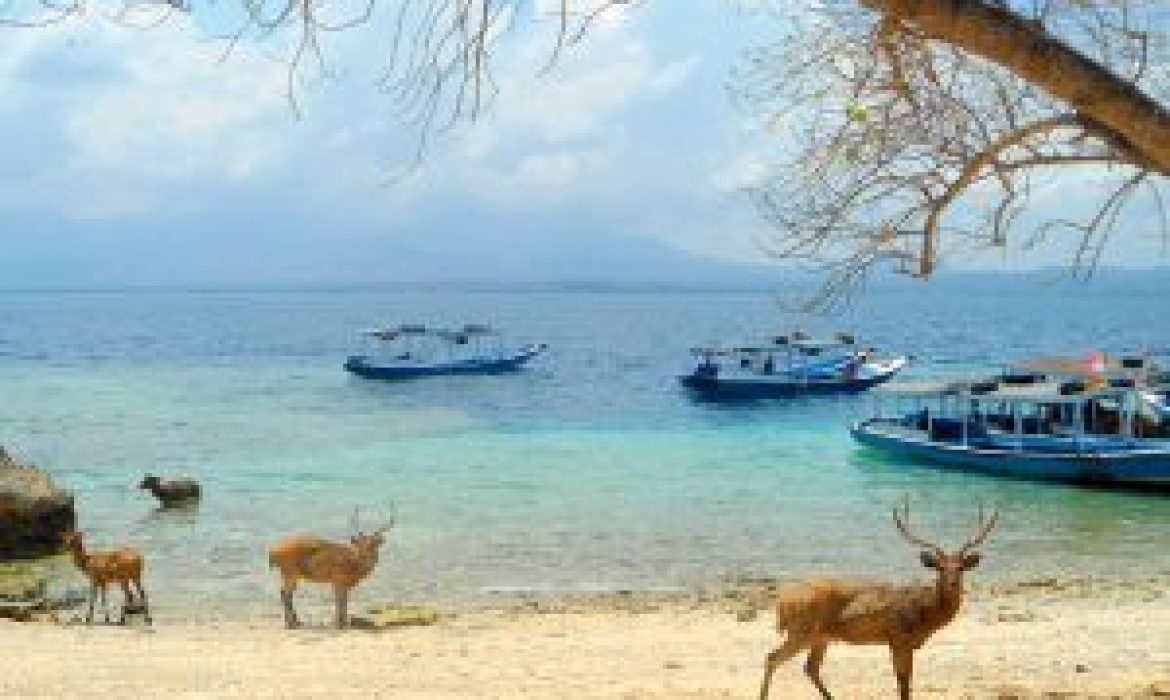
(22, 592)
(390, 615)
(34, 512)
(21, 584)
(747, 613)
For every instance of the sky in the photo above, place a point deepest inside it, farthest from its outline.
(144, 157)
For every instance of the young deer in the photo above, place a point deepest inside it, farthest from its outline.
(309, 558)
(815, 613)
(122, 566)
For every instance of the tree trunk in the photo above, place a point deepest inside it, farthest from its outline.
(1137, 124)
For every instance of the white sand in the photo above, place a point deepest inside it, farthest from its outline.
(1027, 642)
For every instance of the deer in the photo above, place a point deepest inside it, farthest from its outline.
(814, 613)
(171, 493)
(122, 566)
(341, 565)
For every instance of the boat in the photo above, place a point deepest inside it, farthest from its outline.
(411, 351)
(1108, 429)
(787, 366)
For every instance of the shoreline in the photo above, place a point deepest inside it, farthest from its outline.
(1040, 638)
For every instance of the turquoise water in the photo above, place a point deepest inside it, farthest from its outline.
(591, 471)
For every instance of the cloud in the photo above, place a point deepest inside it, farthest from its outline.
(125, 119)
(741, 171)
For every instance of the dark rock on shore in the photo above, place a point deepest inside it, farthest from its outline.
(34, 511)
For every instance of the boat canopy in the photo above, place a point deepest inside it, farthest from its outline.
(459, 336)
(797, 339)
(994, 390)
(1101, 365)
(937, 387)
(780, 343)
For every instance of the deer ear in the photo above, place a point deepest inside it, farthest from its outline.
(929, 559)
(970, 561)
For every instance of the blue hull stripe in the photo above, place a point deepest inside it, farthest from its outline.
(747, 389)
(361, 367)
(1148, 468)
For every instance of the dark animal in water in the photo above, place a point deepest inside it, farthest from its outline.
(171, 493)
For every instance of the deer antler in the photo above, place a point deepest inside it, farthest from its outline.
(905, 529)
(389, 521)
(984, 528)
(354, 523)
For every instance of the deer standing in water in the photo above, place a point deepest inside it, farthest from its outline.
(815, 613)
(122, 566)
(310, 558)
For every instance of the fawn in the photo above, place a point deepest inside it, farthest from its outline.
(817, 612)
(122, 566)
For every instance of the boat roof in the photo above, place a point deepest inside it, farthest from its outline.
(392, 332)
(928, 387)
(1124, 365)
(1038, 392)
(773, 344)
(1046, 392)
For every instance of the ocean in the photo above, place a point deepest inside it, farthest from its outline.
(589, 471)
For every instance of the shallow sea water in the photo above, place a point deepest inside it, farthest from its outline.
(590, 471)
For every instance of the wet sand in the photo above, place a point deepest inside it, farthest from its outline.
(1036, 639)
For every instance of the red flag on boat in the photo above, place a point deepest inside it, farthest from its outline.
(1095, 363)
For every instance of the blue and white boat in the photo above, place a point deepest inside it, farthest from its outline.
(409, 351)
(788, 366)
(1032, 425)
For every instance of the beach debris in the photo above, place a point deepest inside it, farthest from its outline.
(392, 615)
(171, 493)
(34, 511)
(316, 560)
(21, 593)
(25, 594)
(122, 566)
(817, 612)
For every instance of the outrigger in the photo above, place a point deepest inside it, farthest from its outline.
(409, 351)
(1096, 423)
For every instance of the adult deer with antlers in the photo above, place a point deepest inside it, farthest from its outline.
(310, 558)
(815, 613)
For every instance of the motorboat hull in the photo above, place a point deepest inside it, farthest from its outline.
(1140, 466)
(785, 386)
(362, 366)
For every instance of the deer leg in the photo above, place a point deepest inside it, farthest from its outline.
(105, 603)
(286, 598)
(812, 668)
(92, 597)
(145, 603)
(903, 669)
(790, 648)
(342, 604)
(127, 601)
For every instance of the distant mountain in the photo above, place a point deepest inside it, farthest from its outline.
(548, 258)
(106, 255)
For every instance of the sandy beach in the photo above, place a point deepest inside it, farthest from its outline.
(1034, 639)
